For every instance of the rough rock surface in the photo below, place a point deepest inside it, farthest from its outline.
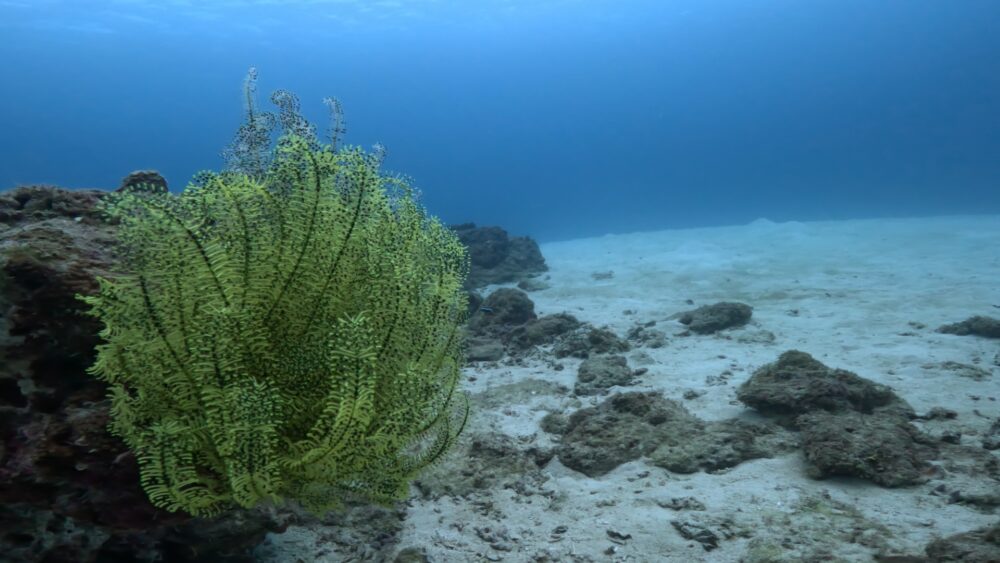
(977, 545)
(850, 426)
(485, 461)
(623, 428)
(543, 330)
(586, 341)
(797, 384)
(146, 180)
(975, 326)
(501, 312)
(722, 445)
(597, 375)
(647, 336)
(713, 318)
(498, 258)
(483, 349)
(627, 426)
(68, 490)
(886, 450)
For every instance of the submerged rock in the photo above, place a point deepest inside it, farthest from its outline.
(488, 461)
(976, 326)
(543, 330)
(597, 375)
(628, 426)
(587, 341)
(32, 204)
(978, 545)
(713, 318)
(623, 428)
(645, 335)
(501, 312)
(797, 384)
(722, 445)
(850, 426)
(483, 349)
(884, 449)
(144, 180)
(69, 491)
(533, 284)
(498, 258)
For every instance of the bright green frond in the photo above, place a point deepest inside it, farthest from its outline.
(291, 335)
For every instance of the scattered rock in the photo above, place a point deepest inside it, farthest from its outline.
(976, 326)
(357, 531)
(584, 342)
(412, 555)
(483, 349)
(34, 204)
(708, 533)
(630, 425)
(487, 461)
(597, 375)
(722, 445)
(991, 440)
(974, 373)
(692, 394)
(798, 384)
(555, 423)
(713, 318)
(939, 413)
(756, 337)
(496, 257)
(645, 335)
(501, 312)
(884, 449)
(625, 427)
(145, 181)
(69, 490)
(542, 331)
(850, 426)
(475, 302)
(978, 545)
(497, 537)
(618, 537)
(683, 503)
(533, 284)
(984, 502)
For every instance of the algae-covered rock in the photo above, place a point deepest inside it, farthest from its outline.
(587, 341)
(884, 449)
(497, 257)
(716, 317)
(979, 325)
(597, 375)
(70, 491)
(797, 383)
(623, 428)
(722, 445)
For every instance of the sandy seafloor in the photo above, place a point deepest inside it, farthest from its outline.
(863, 295)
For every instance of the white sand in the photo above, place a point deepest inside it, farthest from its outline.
(845, 292)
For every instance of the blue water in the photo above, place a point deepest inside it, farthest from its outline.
(552, 118)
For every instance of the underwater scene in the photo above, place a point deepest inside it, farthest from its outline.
(542, 281)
